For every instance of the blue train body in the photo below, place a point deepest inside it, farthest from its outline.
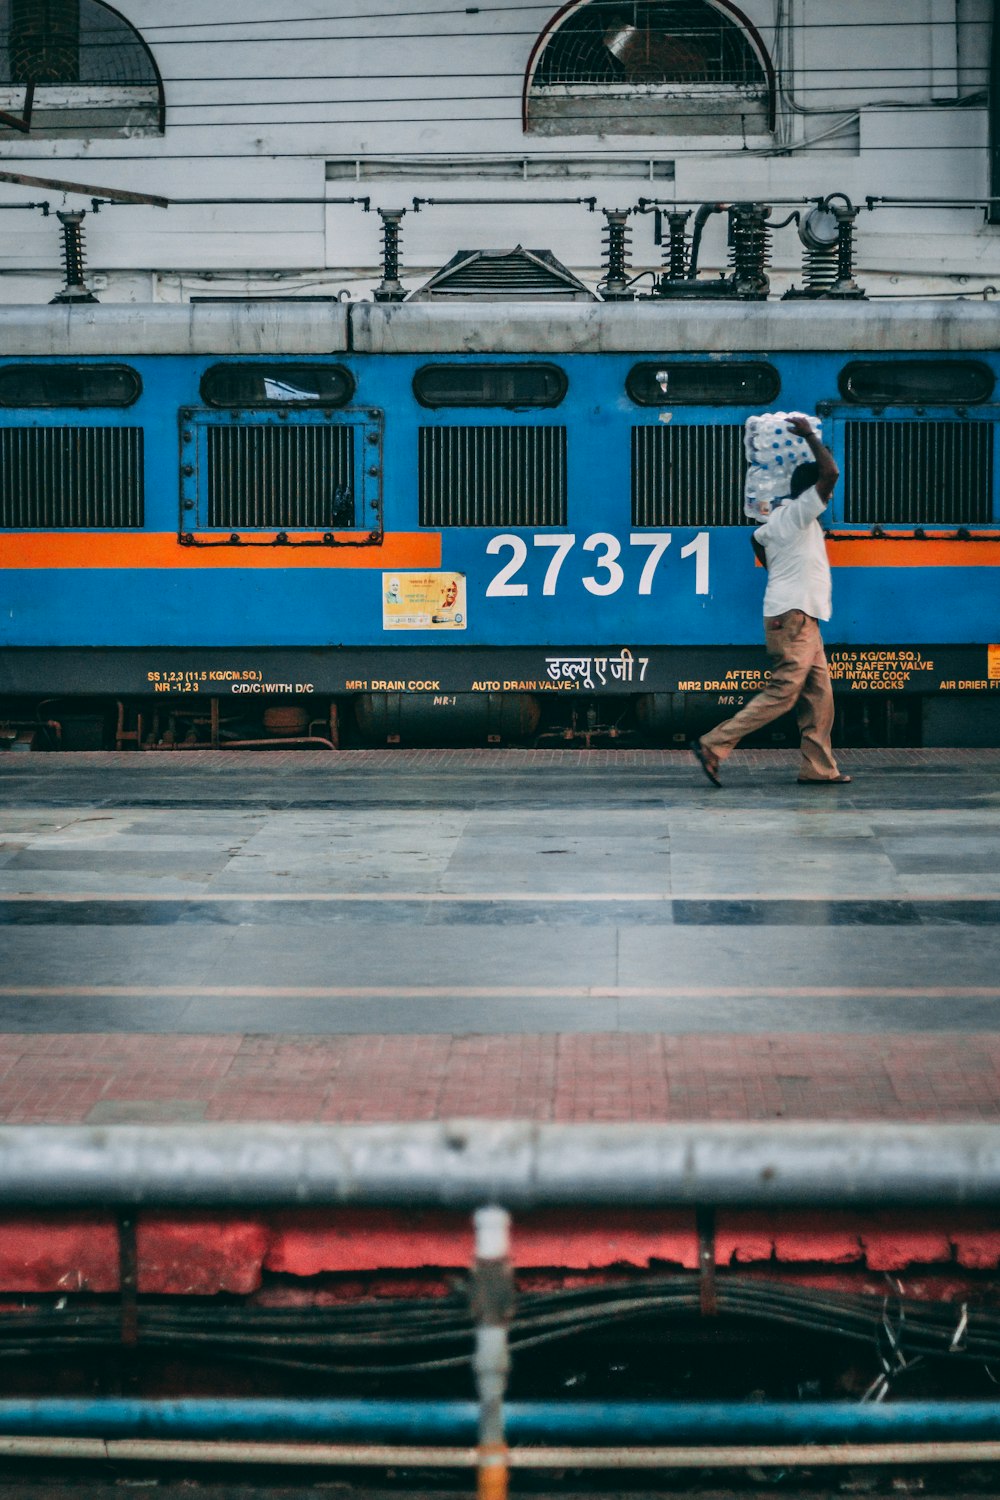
(544, 524)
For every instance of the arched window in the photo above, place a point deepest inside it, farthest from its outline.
(75, 68)
(649, 67)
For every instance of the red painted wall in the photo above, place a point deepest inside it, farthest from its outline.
(200, 1255)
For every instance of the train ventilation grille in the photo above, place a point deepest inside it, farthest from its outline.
(518, 273)
(918, 473)
(286, 477)
(492, 476)
(74, 477)
(688, 476)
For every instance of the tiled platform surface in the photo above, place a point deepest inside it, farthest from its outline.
(115, 1079)
(554, 934)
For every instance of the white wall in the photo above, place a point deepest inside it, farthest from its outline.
(256, 108)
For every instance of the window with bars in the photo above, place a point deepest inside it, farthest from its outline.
(650, 66)
(75, 67)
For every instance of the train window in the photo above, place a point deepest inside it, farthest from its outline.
(277, 385)
(751, 383)
(69, 385)
(905, 382)
(490, 385)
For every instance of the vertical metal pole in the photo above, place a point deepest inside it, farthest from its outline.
(128, 1278)
(994, 112)
(492, 1300)
(708, 1296)
(128, 1292)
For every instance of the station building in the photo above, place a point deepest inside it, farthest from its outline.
(250, 157)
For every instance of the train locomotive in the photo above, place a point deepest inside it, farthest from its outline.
(480, 520)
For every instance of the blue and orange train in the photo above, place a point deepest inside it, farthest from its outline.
(229, 522)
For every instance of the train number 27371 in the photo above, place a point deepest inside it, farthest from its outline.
(608, 575)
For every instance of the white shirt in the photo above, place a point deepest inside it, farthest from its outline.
(798, 569)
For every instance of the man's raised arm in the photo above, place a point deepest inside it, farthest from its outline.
(828, 471)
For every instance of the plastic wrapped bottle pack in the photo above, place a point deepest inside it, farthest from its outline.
(773, 453)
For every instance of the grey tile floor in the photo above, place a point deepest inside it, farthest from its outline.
(499, 893)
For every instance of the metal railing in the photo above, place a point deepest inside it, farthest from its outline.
(495, 1168)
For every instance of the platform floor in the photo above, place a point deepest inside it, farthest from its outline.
(563, 935)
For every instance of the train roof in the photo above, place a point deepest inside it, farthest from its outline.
(666, 327)
(283, 328)
(235, 327)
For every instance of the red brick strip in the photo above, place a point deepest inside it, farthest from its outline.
(73, 1079)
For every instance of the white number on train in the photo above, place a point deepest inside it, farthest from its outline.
(608, 575)
(609, 547)
(562, 545)
(501, 587)
(657, 546)
(700, 549)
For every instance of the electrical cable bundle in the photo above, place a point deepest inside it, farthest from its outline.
(393, 1337)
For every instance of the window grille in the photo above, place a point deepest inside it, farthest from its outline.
(71, 477)
(282, 477)
(665, 41)
(656, 67)
(918, 473)
(492, 476)
(76, 67)
(688, 476)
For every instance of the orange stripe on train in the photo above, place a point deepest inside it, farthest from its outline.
(161, 549)
(908, 552)
(399, 549)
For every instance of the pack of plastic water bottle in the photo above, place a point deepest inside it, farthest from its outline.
(773, 452)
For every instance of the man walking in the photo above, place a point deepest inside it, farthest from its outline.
(797, 598)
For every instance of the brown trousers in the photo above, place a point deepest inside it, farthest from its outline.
(800, 679)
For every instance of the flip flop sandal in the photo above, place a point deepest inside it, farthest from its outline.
(701, 756)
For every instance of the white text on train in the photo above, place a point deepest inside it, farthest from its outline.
(609, 575)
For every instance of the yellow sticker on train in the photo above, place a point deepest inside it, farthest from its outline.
(993, 663)
(423, 601)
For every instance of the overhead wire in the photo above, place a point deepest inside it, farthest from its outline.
(451, 32)
(493, 9)
(734, 153)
